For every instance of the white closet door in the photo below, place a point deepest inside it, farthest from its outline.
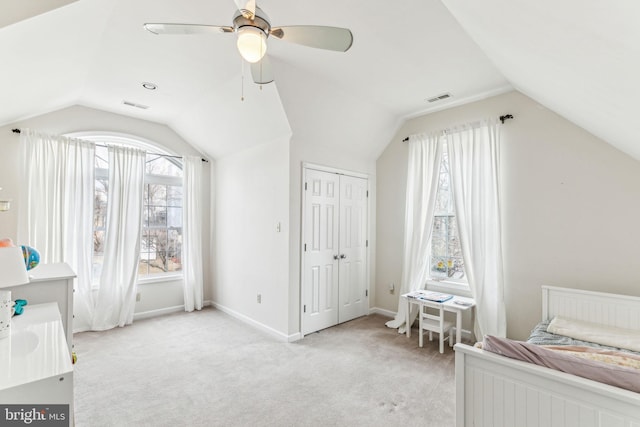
(334, 254)
(352, 279)
(320, 250)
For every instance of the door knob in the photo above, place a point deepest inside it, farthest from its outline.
(335, 257)
(342, 256)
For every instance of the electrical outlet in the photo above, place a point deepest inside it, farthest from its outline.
(259, 298)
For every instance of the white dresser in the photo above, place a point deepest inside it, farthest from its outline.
(35, 360)
(50, 283)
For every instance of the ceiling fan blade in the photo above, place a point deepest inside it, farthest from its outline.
(159, 28)
(329, 38)
(262, 72)
(247, 8)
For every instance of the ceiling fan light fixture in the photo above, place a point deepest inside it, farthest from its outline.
(252, 43)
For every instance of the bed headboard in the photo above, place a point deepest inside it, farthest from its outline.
(621, 311)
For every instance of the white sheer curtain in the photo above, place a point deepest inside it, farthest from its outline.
(192, 233)
(56, 215)
(425, 153)
(116, 296)
(474, 160)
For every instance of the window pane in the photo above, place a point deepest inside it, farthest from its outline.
(439, 226)
(438, 246)
(100, 204)
(158, 165)
(157, 216)
(158, 265)
(174, 262)
(157, 239)
(174, 195)
(174, 217)
(98, 242)
(157, 195)
(145, 216)
(174, 243)
(454, 247)
(452, 227)
(438, 267)
(143, 266)
(456, 270)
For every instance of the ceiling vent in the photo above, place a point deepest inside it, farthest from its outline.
(133, 104)
(439, 97)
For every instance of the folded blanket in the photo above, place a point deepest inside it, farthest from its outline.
(592, 332)
(612, 357)
(612, 374)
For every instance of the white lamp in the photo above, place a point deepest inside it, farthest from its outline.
(252, 43)
(13, 271)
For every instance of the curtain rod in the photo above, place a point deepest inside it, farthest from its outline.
(16, 130)
(502, 119)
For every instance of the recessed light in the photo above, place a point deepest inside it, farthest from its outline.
(150, 86)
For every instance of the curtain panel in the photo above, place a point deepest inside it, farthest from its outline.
(56, 214)
(423, 170)
(192, 233)
(474, 157)
(117, 294)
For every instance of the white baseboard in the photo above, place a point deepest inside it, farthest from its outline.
(158, 312)
(254, 323)
(382, 312)
(163, 311)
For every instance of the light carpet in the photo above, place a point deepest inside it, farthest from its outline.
(208, 369)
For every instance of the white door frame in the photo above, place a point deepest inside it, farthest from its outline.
(337, 171)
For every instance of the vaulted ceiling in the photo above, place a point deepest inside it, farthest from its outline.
(578, 59)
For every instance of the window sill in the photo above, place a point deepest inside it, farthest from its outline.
(160, 278)
(150, 280)
(456, 288)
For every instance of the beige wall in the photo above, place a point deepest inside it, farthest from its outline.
(252, 196)
(154, 297)
(570, 202)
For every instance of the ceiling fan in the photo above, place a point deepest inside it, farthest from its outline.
(252, 27)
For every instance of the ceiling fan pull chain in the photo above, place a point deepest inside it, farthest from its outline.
(242, 80)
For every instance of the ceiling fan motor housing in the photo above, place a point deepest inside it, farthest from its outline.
(260, 21)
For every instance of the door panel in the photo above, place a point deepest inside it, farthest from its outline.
(353, 300)
(320, 269)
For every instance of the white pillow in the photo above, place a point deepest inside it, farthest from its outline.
(592, 332)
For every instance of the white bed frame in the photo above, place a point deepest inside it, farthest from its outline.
(495, 391)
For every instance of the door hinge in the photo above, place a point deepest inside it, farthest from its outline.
(367, 243)
(366, 292)
(304, 308)
(305, 186)
(367, 193)
(305, 247)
